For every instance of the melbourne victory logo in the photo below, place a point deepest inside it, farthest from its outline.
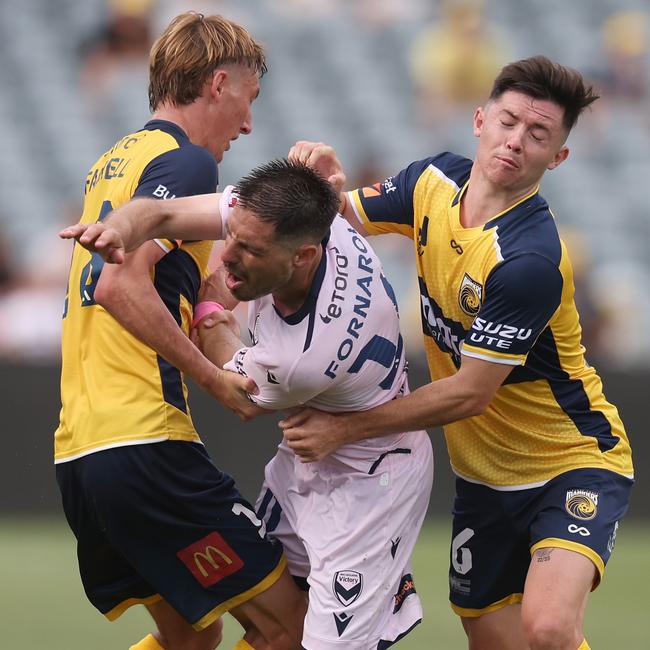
(347, 586)
(470, 295)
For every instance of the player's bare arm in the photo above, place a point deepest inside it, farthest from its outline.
(127, 227)
(127, 293)
(315, 434)
(214, 288)
(217, 334)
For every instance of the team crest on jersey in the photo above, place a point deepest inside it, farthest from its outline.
(470, 295)
(582, 504)
(347, 586)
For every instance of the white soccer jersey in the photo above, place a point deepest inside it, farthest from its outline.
(342, 351)
(349, 522)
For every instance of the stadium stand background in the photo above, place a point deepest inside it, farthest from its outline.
(344, 72)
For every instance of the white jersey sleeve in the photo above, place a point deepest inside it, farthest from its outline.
(227, 202)
(256, 363)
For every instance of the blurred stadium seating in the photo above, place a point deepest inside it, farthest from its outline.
(338, 72)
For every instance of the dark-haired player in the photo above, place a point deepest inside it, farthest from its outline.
(543, 464)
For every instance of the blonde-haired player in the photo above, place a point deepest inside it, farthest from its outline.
(156, 522)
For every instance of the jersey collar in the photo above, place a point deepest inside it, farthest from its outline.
(309, 305)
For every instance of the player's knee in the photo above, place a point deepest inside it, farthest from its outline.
(544, 631)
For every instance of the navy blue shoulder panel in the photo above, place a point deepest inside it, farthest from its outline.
(184, 171)
(453, 166)
(398, 190)
(168, 127)
(521, 295)
(528, 228)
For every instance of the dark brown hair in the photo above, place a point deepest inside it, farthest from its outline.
(542, 78)
(191, 48)
(295, 199)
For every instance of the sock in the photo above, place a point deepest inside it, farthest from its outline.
(242, 644)
(584, 645)
(148, 643)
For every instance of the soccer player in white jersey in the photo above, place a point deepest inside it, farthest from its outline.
(325, 330)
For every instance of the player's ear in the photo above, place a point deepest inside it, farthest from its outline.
(306, 254)
(479, 118)
(218, 82)
(559, 158)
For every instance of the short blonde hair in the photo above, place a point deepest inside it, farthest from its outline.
(191, 48)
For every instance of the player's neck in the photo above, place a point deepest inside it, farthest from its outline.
(181, 116)
(482, 201)
(292, 296)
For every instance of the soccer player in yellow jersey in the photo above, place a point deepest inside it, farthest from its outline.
(542, 461)
(156, 522)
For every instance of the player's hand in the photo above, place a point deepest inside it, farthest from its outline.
(97, 238)
(231, 390)
(322, 158)
(204, 329)
(214, 288)
(200, 333)
(312, 434)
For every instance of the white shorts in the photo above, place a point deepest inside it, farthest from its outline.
(351, 532)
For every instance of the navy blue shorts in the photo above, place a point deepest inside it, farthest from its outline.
(495, 533)
(161, 521)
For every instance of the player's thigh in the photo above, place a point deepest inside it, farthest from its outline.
(580, 511)
(557, 588)
(500, 628)
(572, 536)
(274, 618)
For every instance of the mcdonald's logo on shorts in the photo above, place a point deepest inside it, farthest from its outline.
(210, 559)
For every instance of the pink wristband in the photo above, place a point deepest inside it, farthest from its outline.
(204, 308)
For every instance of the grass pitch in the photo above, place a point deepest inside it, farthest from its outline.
(42, 604)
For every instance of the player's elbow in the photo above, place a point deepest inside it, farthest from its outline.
(476, 402)
(106, 294)
(477, 406)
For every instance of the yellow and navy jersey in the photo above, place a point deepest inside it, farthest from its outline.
(115, 390)
(502, 292)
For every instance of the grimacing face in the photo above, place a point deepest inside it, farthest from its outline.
(519, 139)
(256, 264)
